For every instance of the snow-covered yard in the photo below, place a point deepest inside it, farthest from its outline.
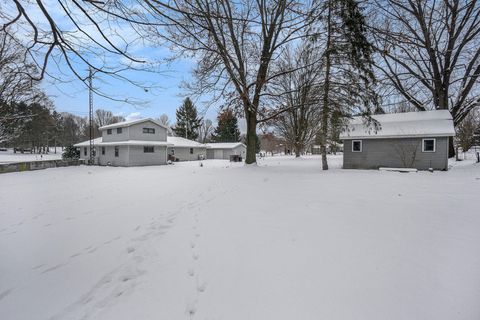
(280, 241)
(9, 156)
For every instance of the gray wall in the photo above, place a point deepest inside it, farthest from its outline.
(135, 132)
(139, 158)
(396, 153)
(128, 156)
(225, 153)
(121, 160)
(183, 153)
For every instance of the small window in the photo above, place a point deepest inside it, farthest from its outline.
(357, 146)
(116, 152)
(191, 150)
(94, 152)
(109, 131)
(149, 130)
(172, 152)
(119, 130)
(85, 151)
(428, 145)
(103, 151)
(148, 149)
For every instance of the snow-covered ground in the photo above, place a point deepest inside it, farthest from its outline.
(283, 240)
(10, 156)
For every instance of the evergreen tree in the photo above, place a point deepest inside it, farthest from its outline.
(227, 128)
(188, 121)
(348, 79)
(70, 152)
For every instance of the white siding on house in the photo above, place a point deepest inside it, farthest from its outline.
(115, 136)
(139, 158)
(109, 157)
(136, 132)
(183, 153)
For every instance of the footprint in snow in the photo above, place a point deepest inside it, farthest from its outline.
(5, 293)
(202, 286)
(191, 272)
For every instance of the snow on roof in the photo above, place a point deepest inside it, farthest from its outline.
(87, 143)
(130, 123)
(224, 145)
(182, 142)
(98, 142)
(171, 142)
(435, 123)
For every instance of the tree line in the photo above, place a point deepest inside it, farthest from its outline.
(282, 63)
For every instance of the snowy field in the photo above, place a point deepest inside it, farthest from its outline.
(9, 156)
(283, 240)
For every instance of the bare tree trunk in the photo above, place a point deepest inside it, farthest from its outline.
(298, 150)
(451, 148)
(251, 137)
(326, 93)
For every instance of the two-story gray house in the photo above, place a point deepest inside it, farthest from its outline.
(140, 142)
(402, 140)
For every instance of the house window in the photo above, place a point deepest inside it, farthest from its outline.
(172, 152)
(116, 151)
(357, 146)
(149, 130)
(191, 150)
(428, 145)
(148, 149)
(119, 130)
(103, 151)
(85, 151)
(94, 153)
(109, 131)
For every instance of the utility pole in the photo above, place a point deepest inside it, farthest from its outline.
(90, 117)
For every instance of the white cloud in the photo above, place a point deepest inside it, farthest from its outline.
(133, 116)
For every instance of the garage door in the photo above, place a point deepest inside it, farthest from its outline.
(218, 154)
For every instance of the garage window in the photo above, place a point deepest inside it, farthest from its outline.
(148, 149)
(103, 151)
(109, 131)
(85, 151)
(428, 145)
(191, 150)
(119, 130)
(357, 146)
(172, 152)
(116, 152)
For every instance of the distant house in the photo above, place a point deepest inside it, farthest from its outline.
(223, 150)
(139, 143)
(402, 140)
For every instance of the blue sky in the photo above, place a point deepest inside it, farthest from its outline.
(73, 96)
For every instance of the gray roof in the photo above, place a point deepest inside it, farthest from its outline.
(130, 123)
(437, 123)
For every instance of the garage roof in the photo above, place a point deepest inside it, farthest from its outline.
(435, 123)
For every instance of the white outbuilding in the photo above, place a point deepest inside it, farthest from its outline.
(223, 150)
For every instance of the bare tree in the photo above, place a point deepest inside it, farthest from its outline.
(466, 130)
(16, 84)
(79, 35)
(431, 53)
(299, 91)
(103, 117)
(235, 43)
(205, 130)
(407, 152)
(164, 120)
